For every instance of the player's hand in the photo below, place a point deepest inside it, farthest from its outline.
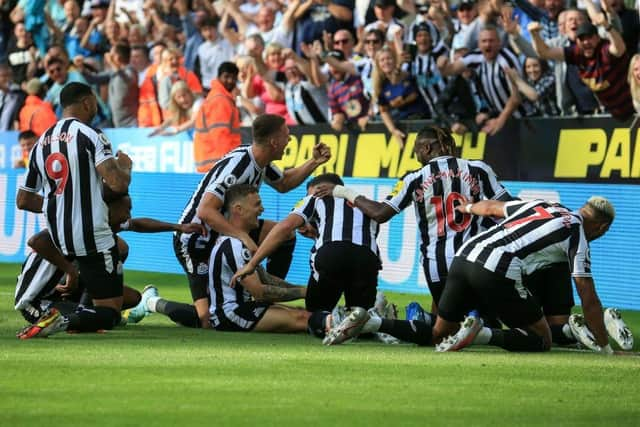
(321, 153)
(308, 231)
(71, 282)
(246, 270)
(124, 161)
(193, 228)
(534, 27)
(323, 190)
(459, 128)
(399, 136)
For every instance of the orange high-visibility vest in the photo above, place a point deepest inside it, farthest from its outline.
(36, 115)
(217, 127)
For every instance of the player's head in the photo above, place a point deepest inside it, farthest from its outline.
(598, 214)
(271, 132)
(434, 141)
(27, 140)
(325, 178)
(79, 101)
(244, 205)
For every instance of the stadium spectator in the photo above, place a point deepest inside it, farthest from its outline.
(82, 231)
(347, 101)
(602, 65)
(122, 83)
(265, 24)
(306, 102)
(211, 53)
(217, 123)
(467, 25)
(11, 99)
(384, 11)
(36, 115)
(182, 111)
(26, 139)
(629, 20)
(244, 165)
(345, 256)
(442, 232)
(140, 61)
(249, 108)
(424, 15)
(396, 93)
(633, 78)
(22, 54)
(572, 95)
(316, 18)
(489, 63)
(538, 86)
(547, 15)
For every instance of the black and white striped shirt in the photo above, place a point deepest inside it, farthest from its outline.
(227, 257)
(36, 282)
(493, 83)
(533, 235)
(306, 103)
(338, 221)
(424, 68)
(236, 167)
(435, 190)
(63, 164)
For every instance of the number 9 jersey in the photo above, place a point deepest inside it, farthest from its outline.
(63, 165)
(435, 190)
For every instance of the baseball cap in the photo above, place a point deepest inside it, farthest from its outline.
(467, 4)
(99, 4)
(423, 26)
(586, 29)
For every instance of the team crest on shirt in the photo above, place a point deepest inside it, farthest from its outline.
(246, 255)
(105, 143)
(229, 180)
(353, 108)
(202, 268)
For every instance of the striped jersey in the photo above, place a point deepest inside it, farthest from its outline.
(36, 281)
(435, 190)
(533, 235)
(493, 83)
(63, 165)
(227, 257)
(306, 103)
(424, 69)
(236, 167)
(338, 221)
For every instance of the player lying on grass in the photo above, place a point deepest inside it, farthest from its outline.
(48, 282)
(487, 273)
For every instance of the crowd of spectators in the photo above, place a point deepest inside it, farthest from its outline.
(470, 64)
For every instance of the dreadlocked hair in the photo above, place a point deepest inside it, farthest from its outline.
(436, 135)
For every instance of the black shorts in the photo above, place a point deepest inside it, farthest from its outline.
(101, 274)
(243, 318)
(470, 286)
(195, 262)
(552, 289)
(342, 267)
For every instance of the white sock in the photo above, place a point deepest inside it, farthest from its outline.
(152, 302)
(566, 330)
(372, 325)
(483, 337)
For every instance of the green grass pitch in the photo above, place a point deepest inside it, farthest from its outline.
(156, 373)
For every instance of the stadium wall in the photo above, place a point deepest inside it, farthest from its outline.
(600, 160)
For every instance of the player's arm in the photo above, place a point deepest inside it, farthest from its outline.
(379, 212)
(592, 309)
(494, 208)
(116, 172)
(28, 201)
(150, 225)
(291, 178)
(43, 245)
(278, 234)
(210, 211)
(267, 293)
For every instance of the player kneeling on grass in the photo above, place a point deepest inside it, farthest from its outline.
(47, 292)
(487, 273)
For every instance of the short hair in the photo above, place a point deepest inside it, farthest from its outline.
(438, 135)
(228, 67)
(491, 27)
(602, 208)
(210, 21)
(378, 33)
(256, 37)
(27, 134)
(325, 178)
(237, 192)
(55, 60)
(265, 126)
(123, 50)
(141, 47)
(73, 92)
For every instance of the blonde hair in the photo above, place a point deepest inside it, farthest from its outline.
(377, 76)
(602, 207)
(178, 114)
(273, 48)
(633, 84)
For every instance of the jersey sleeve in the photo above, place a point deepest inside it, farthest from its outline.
(272, 174)
(579, 254)
(103, 148)
(224, 178)
(238, 256)
(491, 187)
(305, 208)
(32, 180)
(401, 196)
(512, 207)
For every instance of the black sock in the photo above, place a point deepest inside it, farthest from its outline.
(559, 337)
(279, 261)
(516, 340)
(316, 323)
(93, 319)
(413, 331)
(85, 299)
(181, 313)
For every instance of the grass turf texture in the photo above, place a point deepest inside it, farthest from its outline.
(155, 373)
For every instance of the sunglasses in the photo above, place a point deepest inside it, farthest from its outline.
(341, 41)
